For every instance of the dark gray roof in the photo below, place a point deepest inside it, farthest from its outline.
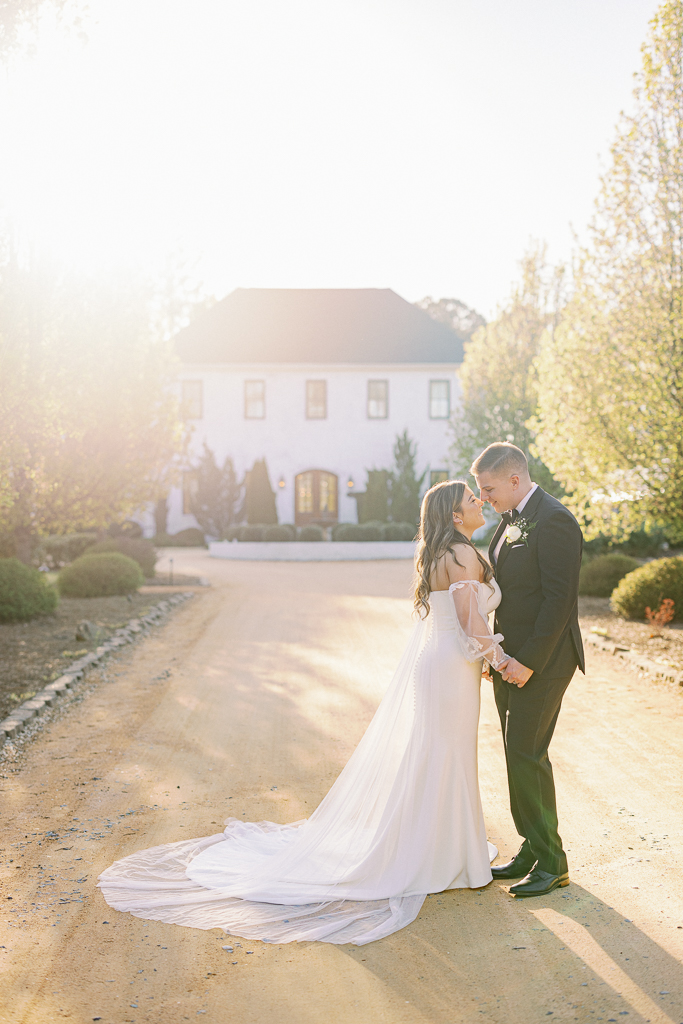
(317, 325)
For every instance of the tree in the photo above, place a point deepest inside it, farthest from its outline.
(259, 500)
(19, 20)
(90, 427)
(405, 484)
(611, 376)
(373, 505)
(214, 503)
(498, 376)
(454, 313)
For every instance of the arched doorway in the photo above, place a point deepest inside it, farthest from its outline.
(316, 498)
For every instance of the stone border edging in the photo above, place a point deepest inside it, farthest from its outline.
(639, 661)
(47, 697)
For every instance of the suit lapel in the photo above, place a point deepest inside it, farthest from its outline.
(527, 513)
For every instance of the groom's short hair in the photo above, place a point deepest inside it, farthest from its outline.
(500, 457)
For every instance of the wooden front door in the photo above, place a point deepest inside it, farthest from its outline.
(316, 498)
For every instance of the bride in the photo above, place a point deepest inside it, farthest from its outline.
(404, 817)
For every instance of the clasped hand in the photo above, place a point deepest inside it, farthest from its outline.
(514, 672)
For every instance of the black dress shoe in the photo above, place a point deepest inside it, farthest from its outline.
(539, 883)
(518, 867)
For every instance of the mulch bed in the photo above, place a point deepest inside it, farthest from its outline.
(34, 653)
(667, 649)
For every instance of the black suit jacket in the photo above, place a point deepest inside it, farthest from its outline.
(539, 611)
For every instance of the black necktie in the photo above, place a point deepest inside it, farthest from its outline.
(510, 515)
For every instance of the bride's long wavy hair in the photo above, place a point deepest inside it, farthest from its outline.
(437, 535)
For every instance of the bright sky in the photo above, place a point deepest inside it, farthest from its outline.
(410, 144)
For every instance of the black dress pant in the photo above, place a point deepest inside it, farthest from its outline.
(527, 717)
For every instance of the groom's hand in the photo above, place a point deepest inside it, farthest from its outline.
(514, 672)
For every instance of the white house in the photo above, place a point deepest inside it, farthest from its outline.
(319, 383)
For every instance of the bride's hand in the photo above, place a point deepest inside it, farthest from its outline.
(486, 671)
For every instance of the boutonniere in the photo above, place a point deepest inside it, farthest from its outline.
(518, 532)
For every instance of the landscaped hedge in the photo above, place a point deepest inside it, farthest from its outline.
(190, 538)
(279, 533)
(599, 577)
(648, 586)
(141, 551)
(100, 576)
(312, 532)
(24, 592)
(399, 531)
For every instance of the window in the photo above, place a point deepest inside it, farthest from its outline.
(316, 399)
(378, 399)
(254, 399)
(439, 399)
(437, 476)
(190, 486)
(192, 399)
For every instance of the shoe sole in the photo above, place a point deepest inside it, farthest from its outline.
(560, 883)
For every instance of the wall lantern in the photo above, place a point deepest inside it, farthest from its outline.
(350, 484)
(281, 482)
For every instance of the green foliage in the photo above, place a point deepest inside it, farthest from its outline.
(259, 500)
(189, 538)
(405, 484)
(57, 552)
(398, 531)
(374, 504)
(100, 576)
(252, 532)
(453, 313)
(24, 592)
(611, 378)
(215, 502)
(140, 550)
(128, 528)
(279, 533)
(599, 577)
(498, 377)
(648, 586)
(639, 544)
(90, 423)
(311, 532)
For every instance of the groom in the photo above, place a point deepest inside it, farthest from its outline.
(536, 553)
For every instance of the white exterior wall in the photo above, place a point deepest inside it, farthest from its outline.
(347, 442)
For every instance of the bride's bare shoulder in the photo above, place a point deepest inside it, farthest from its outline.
(470, 567)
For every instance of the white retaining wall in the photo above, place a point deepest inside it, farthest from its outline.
(312, 551)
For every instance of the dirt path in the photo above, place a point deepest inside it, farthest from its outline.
(273, 675)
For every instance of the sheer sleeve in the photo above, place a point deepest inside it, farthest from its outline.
(473, 625)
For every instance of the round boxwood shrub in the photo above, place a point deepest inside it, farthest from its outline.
(100, 576)
(24, 592)
(141, 551)
(398, 531)
(311, 532)
(599, 577)
(647, 586)
(57, 552)
(278, 533)
(344, 531)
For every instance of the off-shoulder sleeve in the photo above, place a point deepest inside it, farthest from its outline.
(475, 633)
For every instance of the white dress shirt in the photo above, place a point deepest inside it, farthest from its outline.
(519, 507)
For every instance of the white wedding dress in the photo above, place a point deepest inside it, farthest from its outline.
(403, 819)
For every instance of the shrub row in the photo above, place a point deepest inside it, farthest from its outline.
(599, 577)
(340, 532)
(190, 538)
